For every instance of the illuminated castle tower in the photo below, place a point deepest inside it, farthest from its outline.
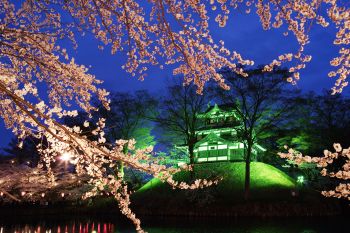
(218, 138)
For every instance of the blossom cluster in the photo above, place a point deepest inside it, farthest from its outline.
(188, 43)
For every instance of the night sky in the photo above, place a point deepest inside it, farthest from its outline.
(243, 33)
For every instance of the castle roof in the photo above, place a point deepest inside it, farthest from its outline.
(217, 110)
(213, 138)
(221, 107)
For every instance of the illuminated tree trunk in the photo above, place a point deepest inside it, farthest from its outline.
(247, 171)
(191, 155)
(121, 164)
(121, 170)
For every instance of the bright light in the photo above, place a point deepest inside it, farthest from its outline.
(300, 179)
(66, 157)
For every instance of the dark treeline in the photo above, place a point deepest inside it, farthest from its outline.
(273, 113)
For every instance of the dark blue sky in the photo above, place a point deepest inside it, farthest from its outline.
(247, 38)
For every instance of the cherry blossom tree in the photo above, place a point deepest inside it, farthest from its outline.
(22, 183)
(152, 33)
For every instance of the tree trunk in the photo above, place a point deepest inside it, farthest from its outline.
(121, 164)
(247, 173)
(191, 155)
(121, 170)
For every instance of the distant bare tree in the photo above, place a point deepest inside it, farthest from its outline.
(263, 103)
(177, 114)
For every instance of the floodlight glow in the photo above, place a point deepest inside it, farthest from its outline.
(66, 157)
(300, 179)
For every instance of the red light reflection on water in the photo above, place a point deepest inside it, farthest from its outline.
(90, 227)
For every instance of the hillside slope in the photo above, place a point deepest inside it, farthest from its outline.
(264, 178)
(272, 193)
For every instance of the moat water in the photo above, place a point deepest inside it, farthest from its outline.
(110, 224)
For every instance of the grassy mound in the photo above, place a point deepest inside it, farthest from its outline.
(272, 192)
(266, 182)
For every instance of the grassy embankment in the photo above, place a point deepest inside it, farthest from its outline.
(273, 193)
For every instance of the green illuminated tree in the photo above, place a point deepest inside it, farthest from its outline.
(318, 121)
(263, 103)
(332, 119)
(299, 133)
(126, 119)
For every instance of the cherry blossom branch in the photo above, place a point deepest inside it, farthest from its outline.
(343, 189)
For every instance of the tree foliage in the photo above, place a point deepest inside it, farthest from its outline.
(319, 120)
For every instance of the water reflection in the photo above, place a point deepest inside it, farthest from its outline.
(176, 225)
(64, 228)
